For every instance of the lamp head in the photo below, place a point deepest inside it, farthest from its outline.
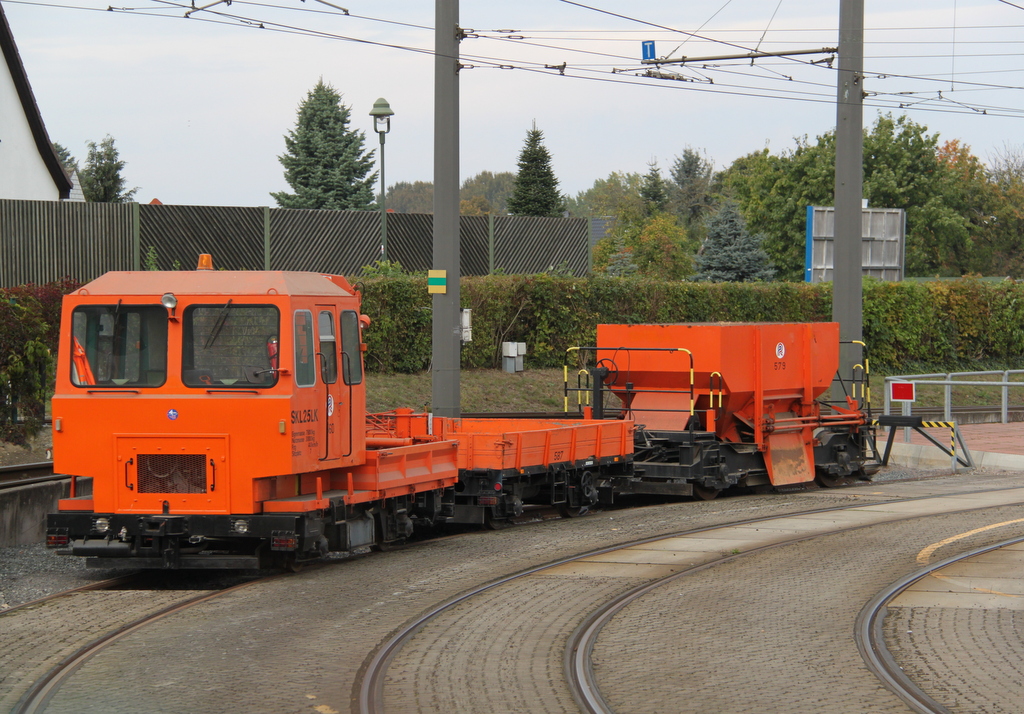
(381, 114)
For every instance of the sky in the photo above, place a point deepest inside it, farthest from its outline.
(198, 106)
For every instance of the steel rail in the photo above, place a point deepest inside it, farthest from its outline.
(13, 471)
(370, 699)
(579, 666)
(871, 642)
(98, 585)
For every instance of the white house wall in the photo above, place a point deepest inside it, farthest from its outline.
(23, 175)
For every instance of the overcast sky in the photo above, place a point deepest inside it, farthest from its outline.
(198, 106)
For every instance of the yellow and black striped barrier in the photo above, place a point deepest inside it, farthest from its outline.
(918, 424)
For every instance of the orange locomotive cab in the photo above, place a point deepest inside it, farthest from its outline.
(213, 411)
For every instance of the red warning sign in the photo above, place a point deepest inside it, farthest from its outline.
(902, 391)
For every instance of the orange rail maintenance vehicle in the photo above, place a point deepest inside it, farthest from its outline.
(221, 419)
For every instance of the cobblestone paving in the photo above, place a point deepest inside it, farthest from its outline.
(968, 660)
(297, 644)
(36, 638)
(501, 651)
(772, 632)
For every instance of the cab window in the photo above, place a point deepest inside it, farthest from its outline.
(230, 345)
(328, 348)
(119, 346)
(351, 355)
(305, 369)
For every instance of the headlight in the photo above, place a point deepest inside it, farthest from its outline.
(240, 525)
(101, 525)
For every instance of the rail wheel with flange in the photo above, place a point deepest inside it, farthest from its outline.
(581, 497)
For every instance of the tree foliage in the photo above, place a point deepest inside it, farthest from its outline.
(653, 190)
(608, 197)
(730, 253)
(415, 197)
(488, 192)
(69, 162)
(691, 189)
(101, 177)
(536, 189)
(324, 162)
(953, 205)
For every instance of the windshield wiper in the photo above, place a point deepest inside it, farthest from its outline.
(221, 319)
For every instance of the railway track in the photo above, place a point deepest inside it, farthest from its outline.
(872, 643)
(26, 474)
(38, 695)
(670, 561)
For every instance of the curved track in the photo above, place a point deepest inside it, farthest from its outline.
(872, 642)
(121, 622)
(501, 607)
(424, 676)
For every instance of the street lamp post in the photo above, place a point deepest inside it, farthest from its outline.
(382, 114)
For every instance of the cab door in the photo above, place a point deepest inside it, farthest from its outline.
(327, 358)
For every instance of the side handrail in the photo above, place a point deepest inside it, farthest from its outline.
(627, 384)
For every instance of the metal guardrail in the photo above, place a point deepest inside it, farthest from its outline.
(948, 380)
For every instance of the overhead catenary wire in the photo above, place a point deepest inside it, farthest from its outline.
(558, 67)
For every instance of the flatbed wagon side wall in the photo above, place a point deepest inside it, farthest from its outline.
(509, 443)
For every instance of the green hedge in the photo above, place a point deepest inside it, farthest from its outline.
(948, 325)
(908, 326)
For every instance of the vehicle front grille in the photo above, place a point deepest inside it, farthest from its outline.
(172, 473)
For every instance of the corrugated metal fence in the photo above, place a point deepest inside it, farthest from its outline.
(42, 241)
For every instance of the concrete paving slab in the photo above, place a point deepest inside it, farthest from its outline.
(613, 570)
(1005, 569)
(653, 557)
(969, 601)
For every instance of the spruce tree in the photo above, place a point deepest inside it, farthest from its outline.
(536, 189)
(101, 176)
(730, 253)
(653, 189)
(325, 163)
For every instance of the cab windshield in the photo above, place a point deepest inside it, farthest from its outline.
(119, 346)
(230, 345)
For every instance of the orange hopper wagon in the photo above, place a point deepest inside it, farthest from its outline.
(726, 403)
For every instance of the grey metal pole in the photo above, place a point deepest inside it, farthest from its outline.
(383, 208)
(846, 286)
(447, 332)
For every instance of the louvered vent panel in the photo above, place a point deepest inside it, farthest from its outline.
(172, 473)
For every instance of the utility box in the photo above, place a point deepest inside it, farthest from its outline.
(512, 354)
(466, 318)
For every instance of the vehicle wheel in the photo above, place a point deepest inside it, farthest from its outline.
(831, 480)
(705, 493)
(588, 497)
(495, 523)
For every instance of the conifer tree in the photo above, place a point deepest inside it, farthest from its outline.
(653, 189)
(730, 253)
(324, 162)
(536, 189)
(69, 162)
(101, 176)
